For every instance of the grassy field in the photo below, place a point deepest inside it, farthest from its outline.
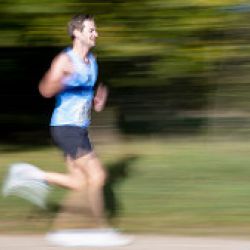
(185, 186)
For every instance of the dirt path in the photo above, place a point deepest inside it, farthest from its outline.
(149, 242)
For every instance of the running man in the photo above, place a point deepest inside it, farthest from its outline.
(72, 80)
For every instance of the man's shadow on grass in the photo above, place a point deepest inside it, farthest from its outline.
(117, 172)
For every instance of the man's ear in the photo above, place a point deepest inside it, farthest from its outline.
(76, 33)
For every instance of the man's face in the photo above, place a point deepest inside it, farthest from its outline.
(89, 34)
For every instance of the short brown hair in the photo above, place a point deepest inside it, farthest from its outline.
(76, 23)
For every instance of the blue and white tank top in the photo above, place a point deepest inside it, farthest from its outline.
(73, 104)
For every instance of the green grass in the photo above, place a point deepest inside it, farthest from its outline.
(175, 187)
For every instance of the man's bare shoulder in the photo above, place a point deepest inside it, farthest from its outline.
(61, 60)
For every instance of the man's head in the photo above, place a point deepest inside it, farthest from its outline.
(82, 27)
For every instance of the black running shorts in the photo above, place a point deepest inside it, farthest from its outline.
(72, 140)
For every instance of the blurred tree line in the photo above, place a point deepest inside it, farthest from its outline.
(172, 65)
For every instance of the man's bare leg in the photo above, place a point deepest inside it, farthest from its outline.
(84, 172)
(75, 179)
(96, 176)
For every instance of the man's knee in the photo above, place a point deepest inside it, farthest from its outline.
(93, 169)
(97, 179)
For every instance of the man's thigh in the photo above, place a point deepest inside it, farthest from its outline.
(91, 166)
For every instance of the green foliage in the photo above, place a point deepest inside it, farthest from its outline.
(181, 34)
(176, 38)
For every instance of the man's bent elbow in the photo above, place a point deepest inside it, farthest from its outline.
(44, 92)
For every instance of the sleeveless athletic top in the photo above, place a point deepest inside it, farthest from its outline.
(73, 104)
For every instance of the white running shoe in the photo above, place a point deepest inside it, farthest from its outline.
(26, 181)
(105, 237)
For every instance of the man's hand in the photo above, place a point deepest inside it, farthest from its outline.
(100, 98)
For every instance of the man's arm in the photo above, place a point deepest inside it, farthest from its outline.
(51, 83)
(100, 97)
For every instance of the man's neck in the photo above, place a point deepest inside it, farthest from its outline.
(81, 50)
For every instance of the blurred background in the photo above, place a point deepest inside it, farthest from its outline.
(179, 108)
